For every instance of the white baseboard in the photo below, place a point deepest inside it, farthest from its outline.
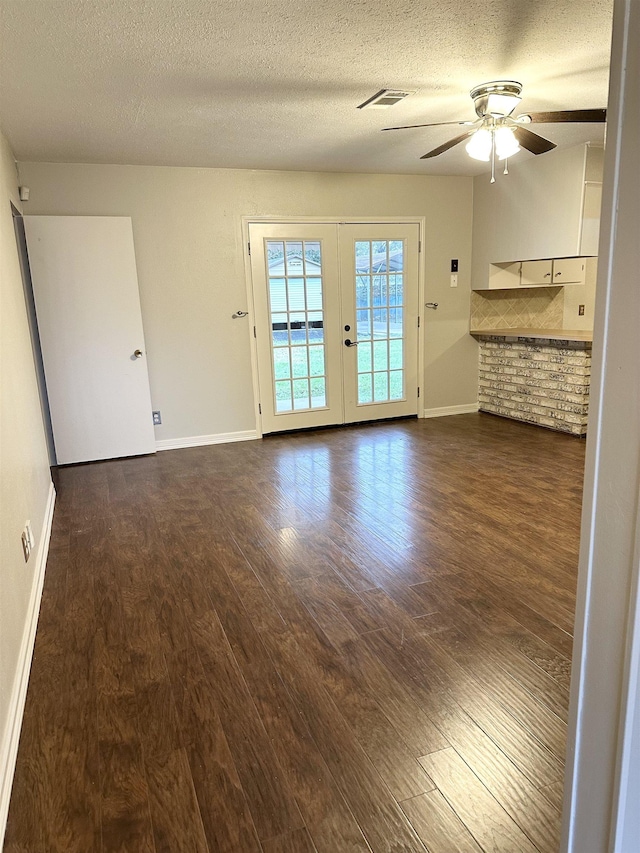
(201, 440)
(443, 411)
(9, 748)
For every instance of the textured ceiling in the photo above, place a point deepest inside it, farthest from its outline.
(274, 84)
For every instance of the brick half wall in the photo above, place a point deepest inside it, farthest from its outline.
(541, 381)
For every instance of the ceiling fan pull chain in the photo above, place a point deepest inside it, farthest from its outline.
(493, 158)
(506, 166)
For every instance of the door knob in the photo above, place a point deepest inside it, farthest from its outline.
(350, 343)
(138, 353)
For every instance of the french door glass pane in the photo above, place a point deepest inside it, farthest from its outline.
(365, 388)
(379, 285)
(297, 324)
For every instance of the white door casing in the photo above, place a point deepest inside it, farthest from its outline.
(360, 283)
(88, 309)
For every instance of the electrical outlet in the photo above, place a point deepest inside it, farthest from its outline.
(157, 418)
(580, 310)
(26, 545)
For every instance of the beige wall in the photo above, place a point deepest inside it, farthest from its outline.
(190, 256)
(534, 212)
(547, 207)
(24, 464)
(581, 294)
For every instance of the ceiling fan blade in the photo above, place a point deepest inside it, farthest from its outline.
(532, 142)
(562, 116)
(447, 145)
(435, 124)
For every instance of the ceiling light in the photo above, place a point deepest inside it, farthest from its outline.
(498, 98)
(506, 142)
(499, 104)
(480, 145)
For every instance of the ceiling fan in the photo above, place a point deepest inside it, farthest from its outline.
(495, 133)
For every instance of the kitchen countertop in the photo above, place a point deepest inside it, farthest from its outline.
(548, 334)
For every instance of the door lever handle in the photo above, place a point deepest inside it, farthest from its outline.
(433, 305)
(349, 343)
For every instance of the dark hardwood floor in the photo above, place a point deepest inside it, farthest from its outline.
(345, 640)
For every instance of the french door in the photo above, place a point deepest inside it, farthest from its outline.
(336, 316)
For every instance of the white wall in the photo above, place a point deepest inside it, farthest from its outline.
(537, 210)
(190, 256)
(534, 212)
(24, 476)
(547, 207)
(575, 295)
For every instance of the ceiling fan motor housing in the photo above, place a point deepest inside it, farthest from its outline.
(498, 98)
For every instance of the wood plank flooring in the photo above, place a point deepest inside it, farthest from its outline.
(333, 642)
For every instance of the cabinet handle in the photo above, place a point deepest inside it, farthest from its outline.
(558, 273)
(547, 274)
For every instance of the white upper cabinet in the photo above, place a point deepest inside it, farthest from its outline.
(551, 272)
(546, 207)
(535, 273)
(559, 271)
(568, 271)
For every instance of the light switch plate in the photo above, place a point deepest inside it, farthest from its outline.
(454, 279)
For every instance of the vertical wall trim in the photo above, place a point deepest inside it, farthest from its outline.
(603, 710)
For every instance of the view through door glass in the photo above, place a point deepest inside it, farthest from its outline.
(379, 270)
(297, 324)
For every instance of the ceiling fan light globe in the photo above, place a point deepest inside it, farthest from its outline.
(479, 146)
(506, 143)
(499, 104)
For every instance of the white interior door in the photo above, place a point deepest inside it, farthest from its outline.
(85, 289)
(336, 311)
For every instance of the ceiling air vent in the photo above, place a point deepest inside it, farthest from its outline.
(383, 99)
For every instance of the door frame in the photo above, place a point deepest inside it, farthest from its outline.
(246, 221)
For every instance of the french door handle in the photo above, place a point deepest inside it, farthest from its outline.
(433, 305)
(349, 343)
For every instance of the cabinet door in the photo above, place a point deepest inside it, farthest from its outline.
(535, 273)
(569, 271)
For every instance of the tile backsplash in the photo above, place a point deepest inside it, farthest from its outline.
(528, 307)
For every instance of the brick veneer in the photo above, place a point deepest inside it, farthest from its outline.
(542, 381)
